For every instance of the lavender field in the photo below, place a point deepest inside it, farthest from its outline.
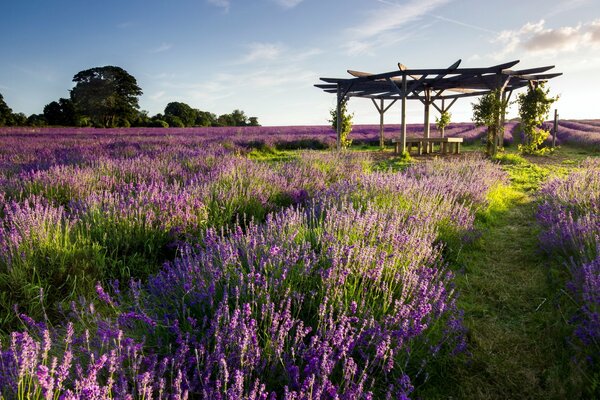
(166, 264)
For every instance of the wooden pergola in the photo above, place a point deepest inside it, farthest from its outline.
(444, 85)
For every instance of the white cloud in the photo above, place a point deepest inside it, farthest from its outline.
(162, 48)
(261, 52)
(381, 27)
(224, 4)
(288, 3)
(158, 95)
(535, 38)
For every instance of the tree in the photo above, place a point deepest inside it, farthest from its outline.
(253, 121)
(174, 121)
(487, 112)
(61, 112)
(36, 120)
(534, 107)
(345, 141)
(17, 119)
(225, 120)
(443, 121)
(239, 118)
(5, 112)
(182, 111)
(205, 118)
(106, 95)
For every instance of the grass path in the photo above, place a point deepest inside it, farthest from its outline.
(515, 336)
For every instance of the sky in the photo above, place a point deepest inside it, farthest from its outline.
(264, 56)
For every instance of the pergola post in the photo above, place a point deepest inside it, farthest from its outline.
(502, 120)
(555, 127)
(381, 112)
(338, 125)
(426, 127)
(403, 131)
(442, 133)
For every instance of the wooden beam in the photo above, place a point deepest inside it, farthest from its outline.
(400, 92)
(451, 104)
(426, 127)
(377, 106)
(381, 114)
(555, 128)
(403, 132)
(442, 133)
(391, 104)
(527, 71)
(338, 125)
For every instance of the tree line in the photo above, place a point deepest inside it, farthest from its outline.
(107, 97)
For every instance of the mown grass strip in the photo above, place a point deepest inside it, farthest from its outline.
(516, 333)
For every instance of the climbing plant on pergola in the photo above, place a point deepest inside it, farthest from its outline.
(439, 88)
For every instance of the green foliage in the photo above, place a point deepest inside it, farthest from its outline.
(134, 247)
(106, 95)
(17, 119)
(158, 123)
(174, 121)
(509, 158)
(5, 111)
(534, 107)
(346, 123)
(36, 120)
(61, 113)
(50, 266)
(487, 112)
(183, 112)
(443, 121)
(205, 118)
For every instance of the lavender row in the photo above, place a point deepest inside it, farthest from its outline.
(570, 216)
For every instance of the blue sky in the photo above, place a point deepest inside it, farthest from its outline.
(263, 56)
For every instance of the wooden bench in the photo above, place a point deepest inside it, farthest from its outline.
(426, 145)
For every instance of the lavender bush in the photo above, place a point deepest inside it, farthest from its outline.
(175, 267)
(570, 216)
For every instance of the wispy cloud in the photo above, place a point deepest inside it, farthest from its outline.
(382, 26)
(288, 3)
(393, 16)
(261, 52)
(566, 5)
(224, 4)
(466, 25)
(162, 48)
(158, 95)
(538, 39)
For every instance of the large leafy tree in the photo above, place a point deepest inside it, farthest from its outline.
(205, 118)
(107, 95)
(5, 112)
(61, 112)
(185, 113)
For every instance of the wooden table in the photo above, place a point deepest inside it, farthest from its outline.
(426, 145)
